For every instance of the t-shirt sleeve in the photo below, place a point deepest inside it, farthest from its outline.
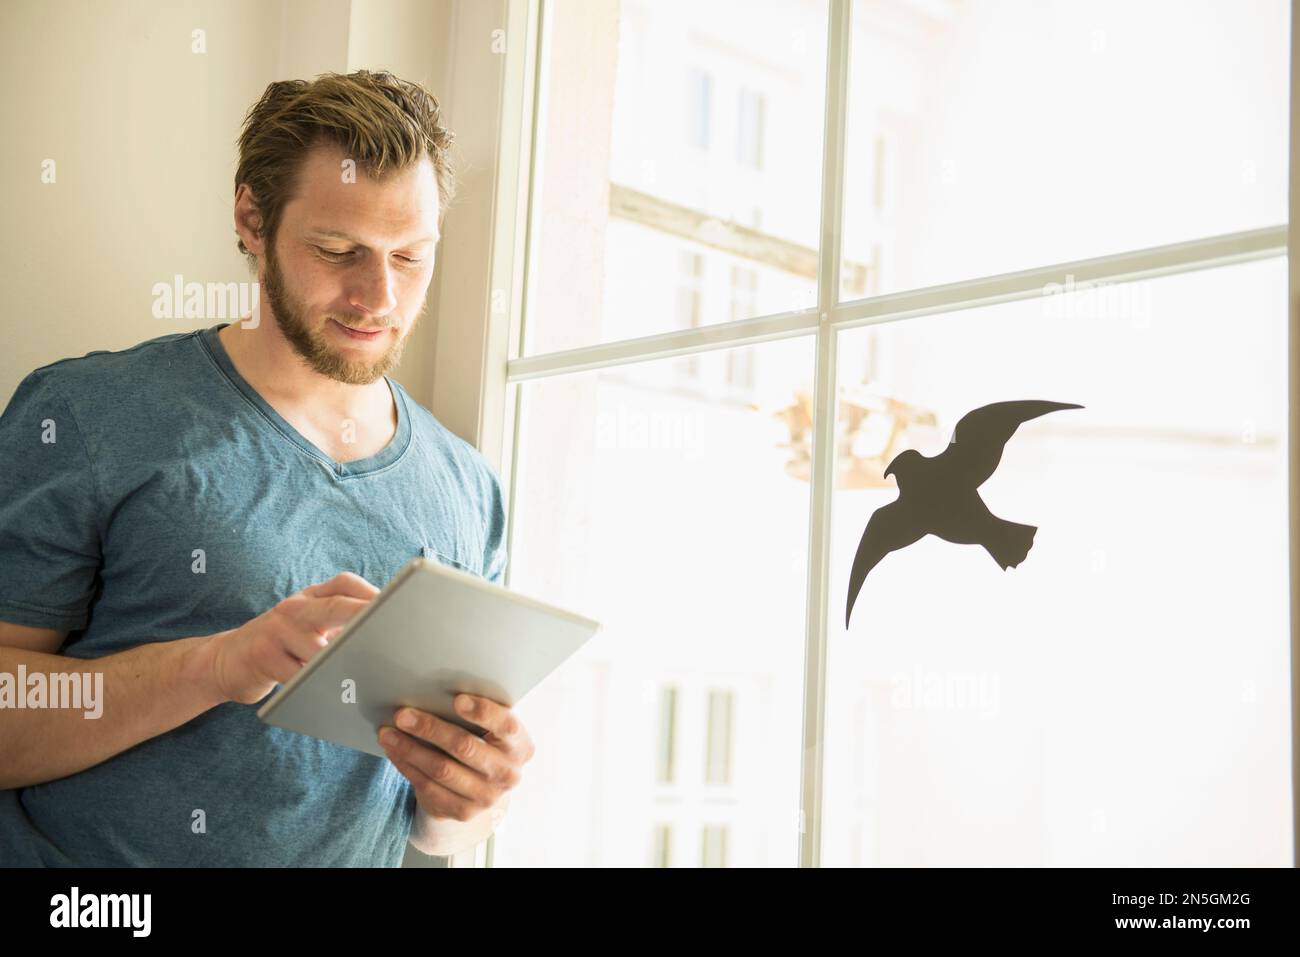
(495, 556)
(50, 548)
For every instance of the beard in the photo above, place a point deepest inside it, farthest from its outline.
(313, 344)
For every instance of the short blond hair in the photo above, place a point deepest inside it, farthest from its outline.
(384, 123)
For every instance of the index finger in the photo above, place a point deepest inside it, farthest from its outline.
(324, 613)
(344, 583)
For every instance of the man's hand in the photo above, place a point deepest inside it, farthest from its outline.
(245, 664)
(461, 781)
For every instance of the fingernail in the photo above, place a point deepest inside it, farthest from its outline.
(406, 720)
(465, 704)
(388, 737)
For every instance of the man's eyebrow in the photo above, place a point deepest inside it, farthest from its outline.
(339, 234)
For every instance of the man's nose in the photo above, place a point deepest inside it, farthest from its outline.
(373, 290)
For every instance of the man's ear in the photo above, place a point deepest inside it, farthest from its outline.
(248, 220)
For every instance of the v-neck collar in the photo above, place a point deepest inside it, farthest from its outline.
(385, 457)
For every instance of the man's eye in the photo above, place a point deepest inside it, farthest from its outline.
(338, 257)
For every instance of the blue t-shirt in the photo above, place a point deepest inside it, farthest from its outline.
(175, 501)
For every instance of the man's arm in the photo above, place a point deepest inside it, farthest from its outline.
(146, 691)
(152, 688)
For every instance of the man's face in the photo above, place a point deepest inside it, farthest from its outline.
(357, 254)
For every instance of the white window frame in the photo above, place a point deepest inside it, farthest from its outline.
(478, 367)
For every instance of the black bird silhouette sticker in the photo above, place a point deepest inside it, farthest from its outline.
(936, 494)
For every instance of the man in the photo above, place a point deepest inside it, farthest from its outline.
(200, 513)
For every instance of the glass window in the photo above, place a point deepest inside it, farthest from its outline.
(1031, 132)
(690, 295)
(740, 362)
(749, 129)
(619, 191)
(1120, 697)
(713, 850)
(699, 112)
(663, 845)
(718, 760)
(667, 734)
(672, 518)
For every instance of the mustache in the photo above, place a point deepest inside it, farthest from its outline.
(359, 323)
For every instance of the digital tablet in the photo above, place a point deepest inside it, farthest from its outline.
(434, 631)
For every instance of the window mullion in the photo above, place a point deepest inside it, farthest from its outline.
(823, 441)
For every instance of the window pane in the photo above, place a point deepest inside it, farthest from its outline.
(749, 132)
(1121, 696)
(718, 763)
(676, 517)
(663, 837)
(667, 734)
(700, 108)
(997, 135)
(713, 851)
(657, 138)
